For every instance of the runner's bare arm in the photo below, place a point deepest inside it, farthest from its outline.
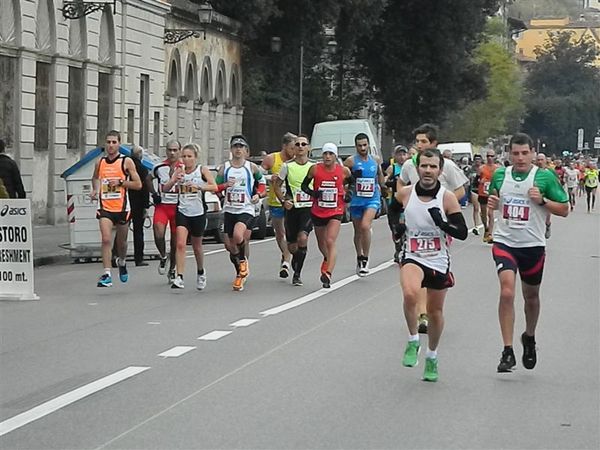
(211, 185)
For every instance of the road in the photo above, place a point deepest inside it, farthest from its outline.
(141, 367)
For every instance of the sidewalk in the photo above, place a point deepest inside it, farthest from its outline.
(47, 242)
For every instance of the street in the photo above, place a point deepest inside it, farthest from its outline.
(138, 366)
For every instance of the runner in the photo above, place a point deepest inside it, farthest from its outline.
(329, 178)
(237, 178)
(165, 207)
(451, 178)
(542, 163)
(524, 194)
(485, 177)
(395, 213)
(572, 180)
(192, 180)
(113, 175)
(272, 163)
(366, 198)
(590, 180)
(473, 177)
(431, 213)
(296, 203)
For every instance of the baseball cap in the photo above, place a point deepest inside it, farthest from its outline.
(400, 149)
(238, 141)
(330, 147)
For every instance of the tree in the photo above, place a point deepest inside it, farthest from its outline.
(563, 91)
(420, 59)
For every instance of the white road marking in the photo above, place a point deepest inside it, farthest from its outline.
(314, 295)
(92, 304)
(244, 322)
(221, 250)
(66, 399)
(214, 335)
(175, 352)
(153, 323)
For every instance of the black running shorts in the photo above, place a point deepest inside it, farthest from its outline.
(432, 279)
(117, 218)
(528, 261)
(229, 221)
(297, 220)
(194, 224)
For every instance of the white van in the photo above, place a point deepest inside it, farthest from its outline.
(459, 150)
(342, 133)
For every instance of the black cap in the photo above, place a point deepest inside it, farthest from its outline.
(239, 141)
(400, 149)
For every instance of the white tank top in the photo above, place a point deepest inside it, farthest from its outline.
(191, 198)
(238, 197)
(163, 173)
(522, 223)
(425, 242)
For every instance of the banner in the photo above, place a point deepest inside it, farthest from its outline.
(16, 250)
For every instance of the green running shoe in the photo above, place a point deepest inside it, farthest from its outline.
(431, 370)
(411, 353)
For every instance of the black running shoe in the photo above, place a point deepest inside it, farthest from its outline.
(296, 281)
(423, 322)
(529, 354)
(326, 280)
(507, 361)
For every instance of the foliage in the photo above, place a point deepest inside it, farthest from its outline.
(529, 9)
(562, 91)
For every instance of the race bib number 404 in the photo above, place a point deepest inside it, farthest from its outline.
(516, 215)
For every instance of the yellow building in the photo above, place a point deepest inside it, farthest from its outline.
(536, 35)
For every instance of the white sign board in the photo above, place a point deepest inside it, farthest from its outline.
(580, 139)
(16, 250)
(597, 142)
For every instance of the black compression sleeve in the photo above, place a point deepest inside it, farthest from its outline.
(305, 187)
(456, 226)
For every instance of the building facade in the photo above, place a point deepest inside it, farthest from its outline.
(66, 82)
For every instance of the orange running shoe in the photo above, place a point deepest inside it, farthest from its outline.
(243, 272)
(238, 283)
(324, 266)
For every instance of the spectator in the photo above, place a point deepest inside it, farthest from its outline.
(9, 172)
(139, 202)
(3, 191)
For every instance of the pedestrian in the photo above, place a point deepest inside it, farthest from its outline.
(10, 174)
(236, 178)
(571, 180)
(451, 178)
(395, 211)
(485, 177)
(272, 163)
(330, 193)
(113, 175)
(193, 181)
(431, 213)
(590, 181)
(139, 201)
(296, 203)
(368, 187)
(524, 194)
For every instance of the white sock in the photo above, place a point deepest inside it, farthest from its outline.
(121, 262)
(107, 271)
(431, 354)
(413, 338)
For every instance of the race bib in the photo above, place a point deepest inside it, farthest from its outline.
(236, 196)
(425, 247)
(109, 192)
(171, 196)
(486, 186)
(302, 199)
(328, 197)
(516, 213)
(188, 191)
(365, 187)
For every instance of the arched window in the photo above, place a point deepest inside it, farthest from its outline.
(220, 88)
(173, 82)
(191, 84)
(206, 80)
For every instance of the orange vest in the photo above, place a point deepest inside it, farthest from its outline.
(485, 177)
(112, 198)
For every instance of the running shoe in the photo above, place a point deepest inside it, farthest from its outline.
(296, 281)
(364, 267)
(171, 276)
(326, 280)
(201, 281)
(177, 283)
(162, 266)
(431, 370)
(238, 283)
(105, 280)
(358, 265)
(507, 361)
(284, 269)
(475, 231)
(411, 353)
(324, 266)
(244, 268)
(123, 275)
(529, 354)
(548, 232)
(423, 322)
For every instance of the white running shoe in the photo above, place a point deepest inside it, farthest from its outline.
(201, 281)
(162, 265)
(364, 268)
(177, 283)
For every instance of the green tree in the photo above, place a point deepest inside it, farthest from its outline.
(563, 91)
(420, 59)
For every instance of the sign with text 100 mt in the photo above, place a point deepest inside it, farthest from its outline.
(16, 250)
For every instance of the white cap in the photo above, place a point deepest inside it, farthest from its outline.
(330, 147)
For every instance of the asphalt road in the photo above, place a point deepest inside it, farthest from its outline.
(82, 367)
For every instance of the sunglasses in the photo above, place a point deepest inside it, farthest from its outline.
(303, 144)
(490, 156)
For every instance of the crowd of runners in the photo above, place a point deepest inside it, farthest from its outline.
(423, 190)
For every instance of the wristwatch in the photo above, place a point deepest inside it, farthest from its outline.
(121, 182)
(543, 201)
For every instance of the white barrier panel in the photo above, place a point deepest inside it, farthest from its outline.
(16, 250)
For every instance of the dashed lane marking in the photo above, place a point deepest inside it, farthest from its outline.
(177, 351)
(214, 335)
(244, 323)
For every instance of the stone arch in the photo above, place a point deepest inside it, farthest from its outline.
(10, 22)
(107, 47)
(78, 38)
(206, 83)
(191, 78)
(235, 86)
(45, 27)
(173, 82)
(220, 87)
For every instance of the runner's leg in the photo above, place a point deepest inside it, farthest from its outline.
(506, 306)
(435, 312)
(181, 235)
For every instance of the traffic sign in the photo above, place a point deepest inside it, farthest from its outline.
(580, 139)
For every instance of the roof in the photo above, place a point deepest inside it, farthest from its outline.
(95, 153)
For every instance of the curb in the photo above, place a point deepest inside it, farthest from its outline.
(50, 260)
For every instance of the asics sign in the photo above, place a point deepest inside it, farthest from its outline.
(13, 211)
